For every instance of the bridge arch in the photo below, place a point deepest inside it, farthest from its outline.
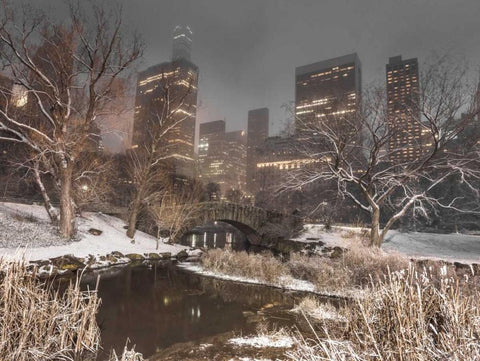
(257, 224)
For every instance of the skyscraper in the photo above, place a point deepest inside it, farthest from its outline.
(222, 156)
(182, 42)
(210, 151)
(326, 88)
(405, 145)
(257, 132)
(180, 77)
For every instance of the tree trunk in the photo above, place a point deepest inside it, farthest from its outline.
(376, 238)
(132, 218)
(51, 211)
(67, 216)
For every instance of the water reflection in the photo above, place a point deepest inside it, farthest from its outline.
(218, 235)
(162, 305)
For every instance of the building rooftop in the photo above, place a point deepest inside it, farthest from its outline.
(326, 64)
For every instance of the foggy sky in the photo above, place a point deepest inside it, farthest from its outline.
(247, 50)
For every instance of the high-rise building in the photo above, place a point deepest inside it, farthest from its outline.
(257, 132)
(222, 156)
(235, 160)
(405, 144)
(180, 77)
(210, 151)
(182, 42)
(325, 89)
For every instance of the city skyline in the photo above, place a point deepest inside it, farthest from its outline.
(231, 84)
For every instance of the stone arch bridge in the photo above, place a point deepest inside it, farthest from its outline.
(259, 225)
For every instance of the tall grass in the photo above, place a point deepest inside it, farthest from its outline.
(262, 267)
(37, 323)
(408, 316)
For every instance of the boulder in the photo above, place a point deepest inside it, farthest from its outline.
(182, 255)
(152, 256)
(67, 262)
(337, 252)
(165, 255)
(95, 232)
(117, 254)
(135, 257)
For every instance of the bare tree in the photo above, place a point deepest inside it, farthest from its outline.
(352, 149)
(176, 210)
(66, 71)
(148, 164)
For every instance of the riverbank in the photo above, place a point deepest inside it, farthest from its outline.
(101, 241)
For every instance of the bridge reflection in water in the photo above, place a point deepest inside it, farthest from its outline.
(216, 235)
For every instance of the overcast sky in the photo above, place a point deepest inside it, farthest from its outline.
(247, 50)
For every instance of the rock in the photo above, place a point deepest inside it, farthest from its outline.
(165, 255)
(182, 255)
(132, 241)
(153, 256)
(95, 232)
(337, 252)
(68, 262)
(135, 257)
(117, 254)
(111, 258)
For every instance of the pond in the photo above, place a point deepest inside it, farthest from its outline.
(160, 305)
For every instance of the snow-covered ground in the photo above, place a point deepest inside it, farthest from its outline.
(35, 239)
(449, 247)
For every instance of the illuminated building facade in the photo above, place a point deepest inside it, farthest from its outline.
(236, 160)
(275, 158)
(182, 42)
(211, 151)
(326, 89)
(257, 133)
(222, 156)
(405, 145)
(180, 77)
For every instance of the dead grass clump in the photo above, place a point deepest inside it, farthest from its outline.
(311, 307)
(25, 217)
(356, 268)
(127, 355)
(365, 263)
(264, 267)
(409, 317)
(324, 273)
(37, 323)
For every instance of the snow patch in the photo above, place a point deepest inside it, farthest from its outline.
(278, 340)
(285, 282)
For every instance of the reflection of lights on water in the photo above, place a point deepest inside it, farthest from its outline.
(195, 312)
(215, 240)
(166, 301)
(205, 239)
(194, 240)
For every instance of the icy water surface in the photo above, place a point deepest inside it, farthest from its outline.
(161, 305)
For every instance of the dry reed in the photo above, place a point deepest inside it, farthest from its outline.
(39, 323)
(263, 267)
